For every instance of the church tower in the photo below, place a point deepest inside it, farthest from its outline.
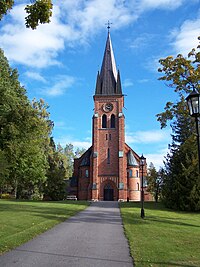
(108, 131)
(109, 169)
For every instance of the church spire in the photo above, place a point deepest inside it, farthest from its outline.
(108, 80)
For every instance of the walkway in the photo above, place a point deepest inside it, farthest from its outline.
(92, 238)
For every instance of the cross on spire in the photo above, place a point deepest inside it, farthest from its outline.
(108, 25)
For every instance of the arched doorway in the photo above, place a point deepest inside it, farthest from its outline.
(108, 193)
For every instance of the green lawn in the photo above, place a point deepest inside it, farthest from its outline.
(20, 221)
(164, 237)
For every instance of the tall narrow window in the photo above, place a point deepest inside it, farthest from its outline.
(137, 173)
(108, 156)
(87, 173)
(138, 187)
(104, 121)
(112, 122)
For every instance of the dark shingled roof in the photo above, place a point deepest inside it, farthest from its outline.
(86, 158)
(108, 80)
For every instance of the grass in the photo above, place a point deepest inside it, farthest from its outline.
(20, 221)
(164, 237)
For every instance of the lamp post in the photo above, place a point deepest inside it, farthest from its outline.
(193, 101)
(142, 163)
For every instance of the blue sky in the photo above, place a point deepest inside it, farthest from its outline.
(59, 62)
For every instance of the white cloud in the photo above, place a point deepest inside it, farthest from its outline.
(127, 83)
(185, 38)
(61, 84)
(38, 48)
(147, 137)
(160, 4)
(70, 140)
(157, 158)
(35, 76)
(73, 23)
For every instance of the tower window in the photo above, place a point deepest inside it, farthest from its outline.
(112, 123)
(108, 156)
(137, 173)
(104, 121)
(87, 173)
(109, 136)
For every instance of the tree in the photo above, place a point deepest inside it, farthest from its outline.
(69, 153)
(181, 184)
(24, 134)
(79, 152)
(39, 11)
(55, 187)
(154, 181)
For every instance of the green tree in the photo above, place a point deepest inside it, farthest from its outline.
(69, 153)
(154, 181)
(24, 133)
(181, 184)
(3, 171)
(181, 187)
(79, 152)
(38, 12)
(55, 186)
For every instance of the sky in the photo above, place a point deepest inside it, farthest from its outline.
(58, 62)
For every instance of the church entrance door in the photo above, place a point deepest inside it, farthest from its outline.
(108, 193)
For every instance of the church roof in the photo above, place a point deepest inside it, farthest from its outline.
(108, 80)
(86, 158)
(131, 159)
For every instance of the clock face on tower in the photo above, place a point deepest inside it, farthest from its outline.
(107, 107)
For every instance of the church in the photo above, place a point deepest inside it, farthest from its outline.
(110, 169)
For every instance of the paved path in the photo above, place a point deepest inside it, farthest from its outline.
(92, 238)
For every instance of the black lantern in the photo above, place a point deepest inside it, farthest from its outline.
(142, 163)
(193, 102)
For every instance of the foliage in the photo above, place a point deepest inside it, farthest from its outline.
(181, 189)
(5, 6)
(181, 186)
(24, 135)
(154, 181)
(164, 238)
(71, 155)
(23, 220)
(39, 11)
(55, 187)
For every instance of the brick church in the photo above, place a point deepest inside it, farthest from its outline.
(109, 169)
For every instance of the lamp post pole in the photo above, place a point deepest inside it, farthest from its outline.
(193, 101)
(142, 162)
(198, 144)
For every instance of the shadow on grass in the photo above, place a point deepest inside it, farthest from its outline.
(172, 219)
(91, 216)
(162, 264)
(34, 208)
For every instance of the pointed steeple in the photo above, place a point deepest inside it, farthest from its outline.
(108, 81)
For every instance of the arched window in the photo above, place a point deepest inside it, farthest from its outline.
(104, 121)
(112, 122)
